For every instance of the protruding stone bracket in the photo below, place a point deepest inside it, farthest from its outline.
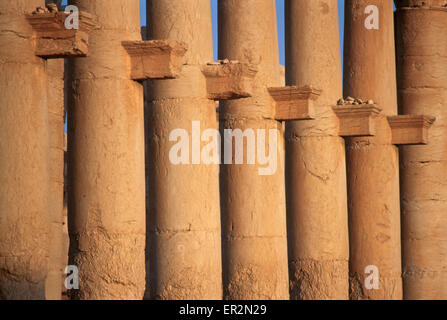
(54, 40)
(410, 129)
(357, 120)
(294, 103)
(227, 80)
(155, 59)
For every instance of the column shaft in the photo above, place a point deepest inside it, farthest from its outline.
(183, 240)
(373, 162)
(315, 157)
(106, 199)
(422, 89)
(24, 157)
(56, 118)
(253, 205)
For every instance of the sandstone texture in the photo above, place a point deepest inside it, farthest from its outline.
(254, 240)
(106, 202)
(373, 162)
(315, 157)
(421, 65)
(183, 218)
(136, 164)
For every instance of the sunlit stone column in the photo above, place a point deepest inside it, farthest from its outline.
(373, 162)
(24, 157)
(421, 32)
(315, 157)
(253, 195)
(56, 118)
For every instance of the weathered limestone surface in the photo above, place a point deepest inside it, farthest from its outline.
(253, 205)
(308, 230)
(183, 217)
(65, 234)
(106, 159)
(56, 118)
(24, 158)
(421, 34)
(372, 162)
(421, 3)
(315, 157)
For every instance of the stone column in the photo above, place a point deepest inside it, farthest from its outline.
(24, 157)
(315, 157)
(106, 152)
(65, 234)
(373, 162)
(184, 230)
(31, 33)
(253, 199)
(421, 31)
(183, 216)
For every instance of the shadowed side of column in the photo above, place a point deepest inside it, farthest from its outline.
(106, 199)
(24, 157)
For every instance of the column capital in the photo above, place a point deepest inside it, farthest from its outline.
(54, 40)
(294, 103)
(410, 129)
(357, 120)
(155, 59)
(227, 80)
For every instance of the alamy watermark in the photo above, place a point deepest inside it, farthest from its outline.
(72, 280)
(372, 280)
(72, 21)
(188, 150)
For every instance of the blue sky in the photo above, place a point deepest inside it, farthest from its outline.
(280, 14)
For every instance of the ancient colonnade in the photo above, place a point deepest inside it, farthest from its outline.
(189, 178)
